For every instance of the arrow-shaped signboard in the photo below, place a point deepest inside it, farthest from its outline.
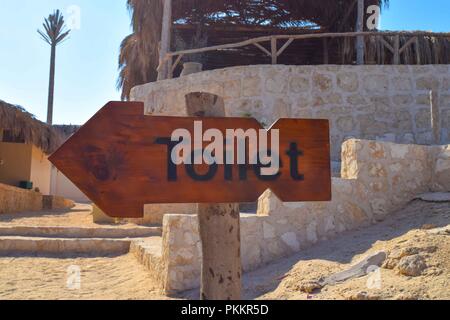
(122, 159)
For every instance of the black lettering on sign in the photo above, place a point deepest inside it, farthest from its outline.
(293, 154)
(190, 170)
(172, 174)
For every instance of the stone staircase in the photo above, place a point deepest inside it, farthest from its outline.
(22, 240)
(148, 252)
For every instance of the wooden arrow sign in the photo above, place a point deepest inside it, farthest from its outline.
(121, 159)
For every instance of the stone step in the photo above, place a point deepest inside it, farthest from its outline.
(80, 233)
(16, 245)
(149, 253)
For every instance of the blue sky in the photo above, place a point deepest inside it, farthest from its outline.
(86, 71)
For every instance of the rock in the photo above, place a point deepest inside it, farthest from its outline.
(362, 295)
(406, 297)
(435, 197)
(310, 286)
(390, 264)
(359, 270)
(428, 227)
(404, 252)
(434, 272)
(412, 266)
(441, 231)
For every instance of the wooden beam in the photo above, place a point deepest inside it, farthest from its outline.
(169, 68)
(407, 44)
(175, 64)
(360, 28)
(166, 32)
(274, 49)
(284, 47)
(305, 36)
(397, 49)
(256, 44)
(418, 58)
(386, 44)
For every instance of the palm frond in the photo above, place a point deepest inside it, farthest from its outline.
(54, 29)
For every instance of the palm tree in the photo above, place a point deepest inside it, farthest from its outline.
(54, 33)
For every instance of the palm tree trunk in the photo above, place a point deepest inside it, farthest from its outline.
(51, 86)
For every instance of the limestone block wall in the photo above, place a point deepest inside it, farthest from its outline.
(378, 178)
(389, 103)
(441, 176)
(13, 200)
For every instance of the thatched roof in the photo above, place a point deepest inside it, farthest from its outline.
(25, 127)
(200, 23)
(326, 14)
(66, 130)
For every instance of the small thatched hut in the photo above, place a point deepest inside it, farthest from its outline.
(25, 144)
(19, 126)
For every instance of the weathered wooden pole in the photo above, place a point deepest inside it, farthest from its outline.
(360, 28)
(418, 50)
(166, 33)
(274, 50)
(219, 226)
(396, 49)
(220, 234)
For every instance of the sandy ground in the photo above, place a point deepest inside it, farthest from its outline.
(410, 230)
(111, 278)
(79, 216)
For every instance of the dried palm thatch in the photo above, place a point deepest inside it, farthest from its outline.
(426, 50)
(23, 126)
(66, 130)
(200, 23)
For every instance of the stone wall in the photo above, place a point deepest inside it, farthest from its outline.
(378, 179)
(441, 177)
(13, 200)
(389, 103)
(56, 203)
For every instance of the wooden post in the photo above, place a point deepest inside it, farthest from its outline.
(360, 28)
(435, 117)
(219, 227)
(418, 51)
(170, 68)
(397, 49)
(220, 234)
(166, 32)
(273, 45)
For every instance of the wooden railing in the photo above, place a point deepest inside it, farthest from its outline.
(275, 52)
